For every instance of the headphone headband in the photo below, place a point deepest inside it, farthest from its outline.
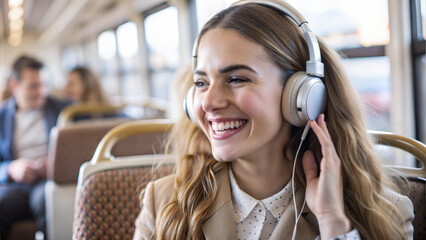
(314, 66)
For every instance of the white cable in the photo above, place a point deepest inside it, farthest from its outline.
(296, 214)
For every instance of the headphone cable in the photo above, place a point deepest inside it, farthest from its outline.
(296, 214)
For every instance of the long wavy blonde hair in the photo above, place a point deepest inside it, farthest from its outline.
(195, 186)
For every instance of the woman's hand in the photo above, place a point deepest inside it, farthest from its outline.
(324, 191)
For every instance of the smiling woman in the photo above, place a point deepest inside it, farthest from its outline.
(256, 79)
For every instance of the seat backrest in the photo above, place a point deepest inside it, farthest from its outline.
(416, 176)
(107, 198)
(146, 109)
(412, 146)
(88, 111)
(71, 146)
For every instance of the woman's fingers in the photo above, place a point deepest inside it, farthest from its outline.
(309, 166)
(319, 131)
(327, 146)
(323, 125)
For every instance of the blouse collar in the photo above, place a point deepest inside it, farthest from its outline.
(244, 203)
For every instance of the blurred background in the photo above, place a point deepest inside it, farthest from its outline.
(136, 47)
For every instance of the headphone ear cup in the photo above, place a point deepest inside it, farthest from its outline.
(188, 105)
(304, 98)
(289, 98)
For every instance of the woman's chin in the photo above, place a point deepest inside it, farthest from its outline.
(223, 157)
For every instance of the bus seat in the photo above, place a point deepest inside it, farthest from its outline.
(69, 148)
(147, 109)
(75, 144)
(107, 199)
(87, 111)
(416, 177)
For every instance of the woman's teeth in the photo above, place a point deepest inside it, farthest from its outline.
(227, 125)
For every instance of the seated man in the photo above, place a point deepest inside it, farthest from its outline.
(25, 121)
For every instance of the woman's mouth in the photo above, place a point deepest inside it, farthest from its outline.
(225, 129)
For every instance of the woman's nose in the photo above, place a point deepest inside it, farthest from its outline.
(215, 98)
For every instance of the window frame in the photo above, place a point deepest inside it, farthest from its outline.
(418, 50)
(146, 13)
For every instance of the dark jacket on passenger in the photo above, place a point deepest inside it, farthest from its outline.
(51, 108)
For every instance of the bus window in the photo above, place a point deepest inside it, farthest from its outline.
(127, 41)
(71, 57)
(371, 78)
(347, 24)
(107, 50)
(162, 37)
(90, 53)
(418, 52)
(421, 18)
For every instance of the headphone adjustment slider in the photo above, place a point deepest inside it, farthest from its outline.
(315, 68)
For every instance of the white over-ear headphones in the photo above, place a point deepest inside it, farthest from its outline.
(304, 96)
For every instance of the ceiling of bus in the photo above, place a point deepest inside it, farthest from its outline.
(62, 20)
(33, 14)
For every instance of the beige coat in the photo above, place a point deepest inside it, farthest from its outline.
(220, 224)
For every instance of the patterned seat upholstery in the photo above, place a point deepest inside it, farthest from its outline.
(417, 195)
(108, 202)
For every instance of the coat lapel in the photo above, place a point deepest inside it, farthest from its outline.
(220, 223)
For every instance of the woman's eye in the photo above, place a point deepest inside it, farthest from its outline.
(200, 84)
(237, 80)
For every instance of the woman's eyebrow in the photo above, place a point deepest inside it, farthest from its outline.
(199, 72)
(227, 69)
(236, 67)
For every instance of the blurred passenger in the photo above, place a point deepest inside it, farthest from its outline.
(25, 121)
(250, 62)
(83, 86)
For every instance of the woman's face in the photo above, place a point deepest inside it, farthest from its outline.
(238, 97)
(74, 88)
